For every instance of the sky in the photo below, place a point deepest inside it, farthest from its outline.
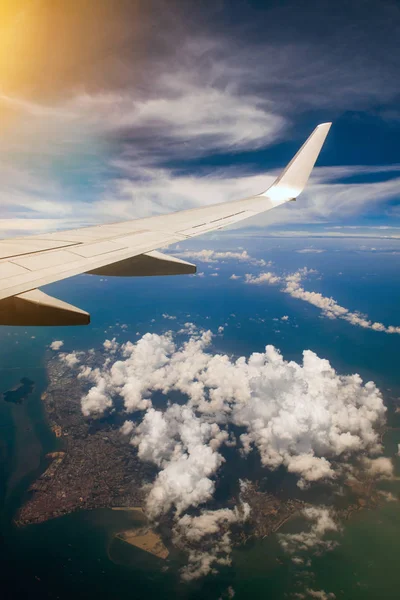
(118, 110)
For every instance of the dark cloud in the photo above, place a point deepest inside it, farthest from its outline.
(51, 47)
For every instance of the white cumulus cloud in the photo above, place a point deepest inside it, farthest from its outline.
(211, 529)
(304, 416)
(111, 345)
(213, 256)
(380, 468)
(322, 523)
(72, 358)
(267, 277)
(56, 345)
(184, 447)
(320, 594)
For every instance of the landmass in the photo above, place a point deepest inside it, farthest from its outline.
(146, 539)
(20, 392)
(365, 493)
(95, 466)
(268, 513)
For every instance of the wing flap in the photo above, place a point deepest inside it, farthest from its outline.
(9, 249)
(97, 248)
(37, 308)
(149, 264)
(9, 269)
(45, 260)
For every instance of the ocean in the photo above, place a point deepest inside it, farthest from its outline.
(77, 555)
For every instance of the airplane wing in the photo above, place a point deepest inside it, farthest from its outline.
(127, 248)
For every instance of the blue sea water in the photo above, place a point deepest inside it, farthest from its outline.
(75, 555)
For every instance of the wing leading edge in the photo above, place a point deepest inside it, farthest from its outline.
(127, 248)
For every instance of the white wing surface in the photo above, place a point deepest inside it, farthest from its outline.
(127, 248)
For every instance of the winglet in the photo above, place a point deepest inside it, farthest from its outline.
(292, 181)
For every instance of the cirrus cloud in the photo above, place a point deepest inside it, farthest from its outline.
(291, 284)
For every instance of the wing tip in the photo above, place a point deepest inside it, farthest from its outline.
(324, 127)
(293, 179)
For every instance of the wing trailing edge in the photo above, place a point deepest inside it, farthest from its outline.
(37, 308)
(145, 265)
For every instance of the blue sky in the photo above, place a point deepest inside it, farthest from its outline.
(122, 110)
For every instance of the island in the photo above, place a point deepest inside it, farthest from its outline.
(19, 392)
